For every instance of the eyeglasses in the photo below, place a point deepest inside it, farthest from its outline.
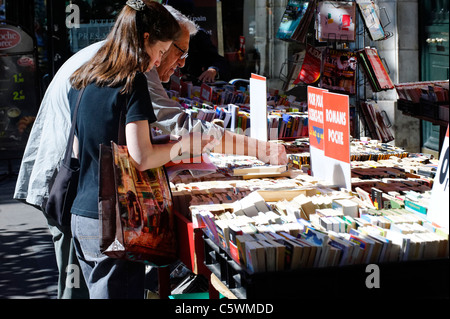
(185, 53)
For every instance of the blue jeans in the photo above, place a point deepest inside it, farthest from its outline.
(106, 278)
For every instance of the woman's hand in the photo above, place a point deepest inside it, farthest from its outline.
(195, 144)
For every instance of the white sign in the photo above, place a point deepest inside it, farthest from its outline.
(258, 107)
(438, 212)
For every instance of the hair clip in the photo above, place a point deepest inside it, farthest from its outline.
(137, 5)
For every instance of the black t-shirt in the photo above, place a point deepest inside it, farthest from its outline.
(98, 123)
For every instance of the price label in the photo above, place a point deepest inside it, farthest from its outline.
(18, 78)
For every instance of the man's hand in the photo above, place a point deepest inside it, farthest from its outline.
(208, 76)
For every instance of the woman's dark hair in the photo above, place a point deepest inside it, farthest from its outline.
(123, 54)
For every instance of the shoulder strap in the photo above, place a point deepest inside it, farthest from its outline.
(69, 148)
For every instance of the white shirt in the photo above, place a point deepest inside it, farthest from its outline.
(48, 137)
(171, 117)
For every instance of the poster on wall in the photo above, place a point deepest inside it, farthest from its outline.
(18, 88)
(438, 212)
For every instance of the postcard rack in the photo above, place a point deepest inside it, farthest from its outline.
(406, 280)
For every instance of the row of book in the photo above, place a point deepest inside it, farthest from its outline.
(372, 150)
(287, 125)
(281, 124)
(334, 20)
(263, 237)
(433, 91)
(371, 161)
(367, 149)
(191, 95)
(206, 96)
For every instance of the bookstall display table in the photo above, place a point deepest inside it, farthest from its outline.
(212, 258)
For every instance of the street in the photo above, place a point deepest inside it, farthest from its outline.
(27, 259)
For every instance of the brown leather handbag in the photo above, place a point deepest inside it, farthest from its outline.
(135, 209)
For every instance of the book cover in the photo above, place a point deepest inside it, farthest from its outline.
(222, 233)
(377, 198)
(310, 71)
(302, 30)
(206, 92)
(370, 13)
(339, 71)
(336, 21)
(368, 120)
(290, 21)
(365, 66)
(379, 119)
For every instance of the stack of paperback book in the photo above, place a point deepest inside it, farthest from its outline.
(305, 233)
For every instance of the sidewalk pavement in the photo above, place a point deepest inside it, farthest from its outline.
(27, 259)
